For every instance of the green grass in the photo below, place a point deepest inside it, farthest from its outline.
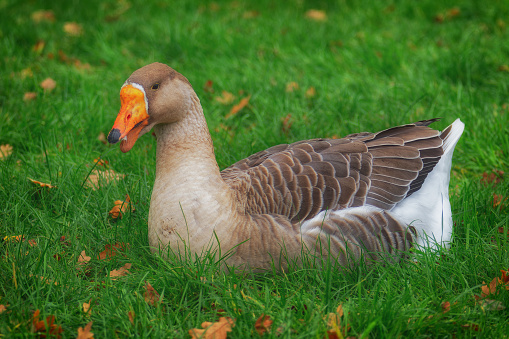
(373, 65)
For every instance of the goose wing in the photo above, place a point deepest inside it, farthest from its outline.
(302, 179)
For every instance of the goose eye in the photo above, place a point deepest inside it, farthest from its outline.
(155, 86)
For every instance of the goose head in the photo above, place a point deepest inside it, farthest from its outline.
(153, 94)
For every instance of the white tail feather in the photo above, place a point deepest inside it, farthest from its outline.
(429, 209)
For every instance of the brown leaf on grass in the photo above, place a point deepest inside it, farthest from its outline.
(86, 307)
(43, 279)
(42, 15)
(83, 258)
(494, 177)
(317, 15)
(238, 107)
(336, 330)
(217, 330)
(473, 327)
(448, 15)
(121, 207)
(263, 324)
(291, 86)
(446, 307)
(310, 92)
(226, 98)
(111, 251)
(97, 178)
(122, 271)
(491, 305)
(150, 295)
(48, 84)
(5, 151)
(73, 28)
(101, 162)
(41, 184)
(28, 96)
(503, 68)
(39, 46)
(84, 333)
(286, 123)
(41, 327)
(208, 87)
(499, 200)
(102, 138)
(131, 316)
(3, 308)
(489, 289)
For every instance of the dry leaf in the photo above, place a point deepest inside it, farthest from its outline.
(131, 316)
(503, 68)
(286, 123)
(207, 88)
(121, 207)
(237, 108)
(122, 271)
(3, 308)
(48, 84)
(498, 199)
(317, 15)
(102, 138)
(26, 73)
(84, 333)
(150, 295)
(446, 307)
(28, 96)
(473, 327)
(5, 151)
(217, 330)
(73, 28)
(111, 251)
(292, 86)
(42, 15)
(39, 326)
(494, 177)
(101, 162)
(491, 305)
(39, 46)
(97, 178)
(226, 98)
(43, 279)
(14, 238)
(334, 324)
(41, 184)
(86, 307)
(263, 324)
(311, 92)
(83, 258)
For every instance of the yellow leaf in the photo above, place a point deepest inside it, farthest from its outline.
(42, 184)
(122, 271)
(84, 333)
(98, 178)
(317, 15)
(226, 98)
(73, 28)
(42, 15)
(311, 92)
(120, 207)
(217, 330)
(5, 151)
(292, 86)
(83, 258)
(86, 307)
(237, 108)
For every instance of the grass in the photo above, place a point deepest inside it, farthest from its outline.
(372, 64)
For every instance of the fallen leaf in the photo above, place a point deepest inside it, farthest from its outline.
(494, 177)
(292, 86)
(503, 68)
(237, 108)
(311, 92)
(250, 14)
(111, 251)
(48, 84)
(498, 200)
(39, 46)
(208, 87)
(73, 28)
(3, 308)
(101, 162)
(491, 305)
(43, 279)
(39, 326)
(226, 98)
(83, 258)
(102, 138)
(131, 316)
(32, 242)
(150, 295)
(26, 73)
(84, 333)
(86, 307)
(42, 184)
(42, 15)
(446, 307)
(5, 151)
(28, 96)
(121, 207)
(14, 238)
(336, 330)
(453, 12)
(473, 327)
(263, 324)
(122, 271)
(217, 330)
(317, 15)
(286, 123)
(97, 178)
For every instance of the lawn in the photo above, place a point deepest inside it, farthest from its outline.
(350, 66)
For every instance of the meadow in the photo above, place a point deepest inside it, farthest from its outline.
(306, 69)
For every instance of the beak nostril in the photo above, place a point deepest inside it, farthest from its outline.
(113, 136)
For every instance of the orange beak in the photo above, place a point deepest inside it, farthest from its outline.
(131, 119)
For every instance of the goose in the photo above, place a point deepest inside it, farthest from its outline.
(364, 196)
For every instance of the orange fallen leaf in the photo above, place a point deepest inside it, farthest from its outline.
(226, 98)
(84, 333)
(121, 207)
(42, 184)
(83, 258)
(122, 271)
(286, 123)
(101, 162)
(73, 28)
(494, 177)
(131, 316)
(111, 251)
(208, 87)
(446, 306)
(292, 86)
(86, 307)
(317, 15)
(39, 46)
(336, 330)
(48, 84)
(14, 237)
(28, 96)
(5, 151)
(237, 108)
(3, 308)
(97, 178)
(39, 326)
(263, 324)
(150, 295)
(498, 200)
(42, 15)
(217, 330)
(311, 92)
